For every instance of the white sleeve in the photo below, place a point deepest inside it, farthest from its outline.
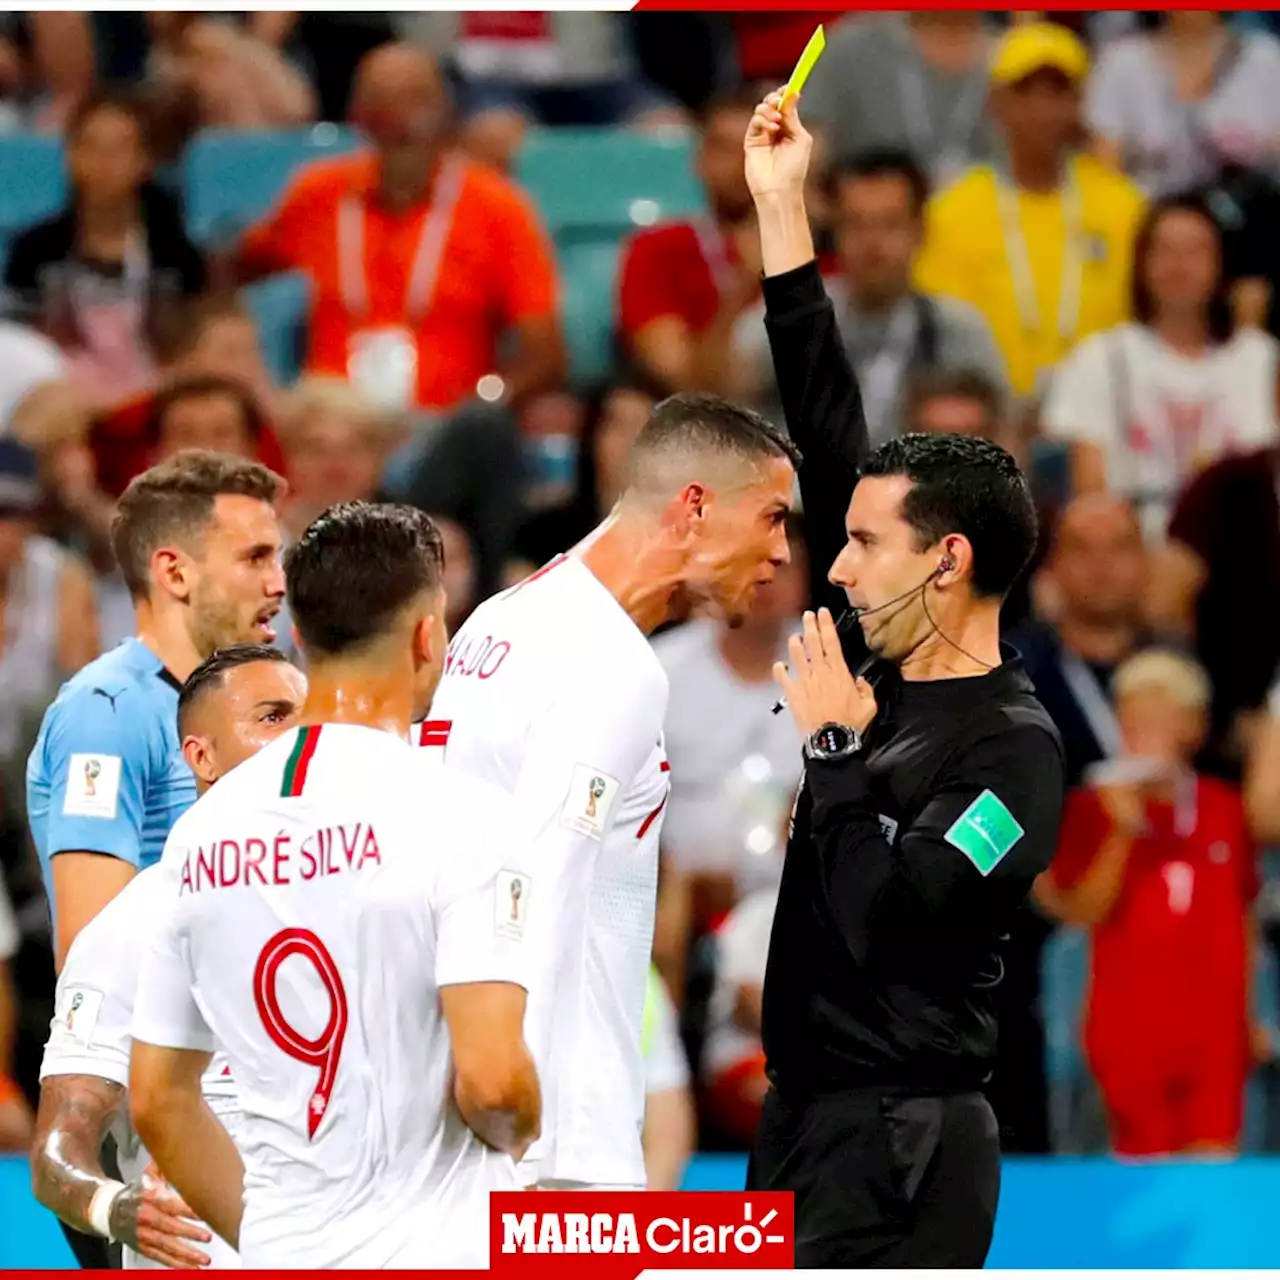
(484, 897)
(166, 1012)
(665, 1066)
(1109, 91)
(10, 938)
(1080, 404)
(91, 1031)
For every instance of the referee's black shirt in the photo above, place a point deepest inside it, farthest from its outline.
(906, 863)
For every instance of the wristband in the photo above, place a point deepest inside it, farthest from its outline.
(104, 1199)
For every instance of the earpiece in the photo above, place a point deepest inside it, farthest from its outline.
(946, 564)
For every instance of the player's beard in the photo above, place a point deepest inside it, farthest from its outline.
(217, 622)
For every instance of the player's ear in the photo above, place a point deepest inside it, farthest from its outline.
(171, 569)
(692, 504)
(424, 639)
(197, 751)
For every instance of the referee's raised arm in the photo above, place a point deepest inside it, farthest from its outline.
(816, 382)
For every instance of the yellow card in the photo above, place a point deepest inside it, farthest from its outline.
(808, 60)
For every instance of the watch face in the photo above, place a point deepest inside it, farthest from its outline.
(832, 739)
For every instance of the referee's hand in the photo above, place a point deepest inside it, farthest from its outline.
(777, 148)
(819, 687)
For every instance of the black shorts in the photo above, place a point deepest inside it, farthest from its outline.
(883, 1180)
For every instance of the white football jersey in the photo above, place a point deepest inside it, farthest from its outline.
(328, 888)
(91, 1032)
(551, 692)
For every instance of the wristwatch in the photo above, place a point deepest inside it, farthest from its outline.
(833, 742)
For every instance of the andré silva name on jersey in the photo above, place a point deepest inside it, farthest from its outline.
(283, 859)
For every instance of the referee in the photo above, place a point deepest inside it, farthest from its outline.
(930, 802)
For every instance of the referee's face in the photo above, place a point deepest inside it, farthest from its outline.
(883, 571)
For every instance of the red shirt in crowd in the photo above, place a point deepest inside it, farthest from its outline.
(1170, 963)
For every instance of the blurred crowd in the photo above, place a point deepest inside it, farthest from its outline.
(1051, 231)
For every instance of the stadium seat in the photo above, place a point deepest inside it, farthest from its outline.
(589, 273)
(36, 185)
(279, 309)
(232, 178)
(610, 181)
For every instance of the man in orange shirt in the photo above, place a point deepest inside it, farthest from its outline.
(420, 261)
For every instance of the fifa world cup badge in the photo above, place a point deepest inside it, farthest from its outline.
(76, 1001)
(91, 770)
(597, 793)
(517, 888)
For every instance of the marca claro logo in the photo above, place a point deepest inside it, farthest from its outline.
(744, 1229)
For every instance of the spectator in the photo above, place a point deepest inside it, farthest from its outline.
(915, 82)
(1041, 248)
(16, 1123)
(47, 617)
(516, 69)
(28, 362)
(733, 1063)
(459, 579)
(1173, 106)
(683, 285)
(210, 413)
(218, 340)
(1150, 402)
(1262, 779)
(1097, 571)
(890, 331)
(960, 402)
(419, 260)
(1159, 864)
(670, 1126)
(602, 454)
(1219, 567)
(731, 790)
(106, 277)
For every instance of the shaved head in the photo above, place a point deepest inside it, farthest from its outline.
(398, 96)
(702, 439)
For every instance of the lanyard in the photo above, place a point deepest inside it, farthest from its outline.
(880, 372)
(1019, 256)
(1094, 704)
(947, 146)
(352, 280)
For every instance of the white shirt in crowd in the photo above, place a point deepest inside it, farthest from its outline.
(91, 1033)
(1168, 144)
(28, 360)
(1158, 416)
(10, 936)
(329, 887)
(734, 764)
(742, 949)
(551, 692)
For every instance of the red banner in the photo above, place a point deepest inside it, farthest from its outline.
(620, 1234)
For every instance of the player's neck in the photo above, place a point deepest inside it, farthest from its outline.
(165, 634)
(971, 646)
(644, 579)
(376, 696)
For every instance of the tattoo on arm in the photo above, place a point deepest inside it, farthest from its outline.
(72, 1120)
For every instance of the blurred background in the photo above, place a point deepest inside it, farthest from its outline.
(1056, 231)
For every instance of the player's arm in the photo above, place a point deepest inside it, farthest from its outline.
(82, 1088)
(816, 383)
(484, 903)
(172, 1047)
(98, 761)
(68, 1179)
(993, 817)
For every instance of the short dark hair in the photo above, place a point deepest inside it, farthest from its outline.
(198, 387)
(698, 422)
(1219, 310)
(355, 568)
(883, 162)
(951, 384)
(209, 676)
(965, 485)
(174, 499)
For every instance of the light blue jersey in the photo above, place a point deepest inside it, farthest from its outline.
(106, 774)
